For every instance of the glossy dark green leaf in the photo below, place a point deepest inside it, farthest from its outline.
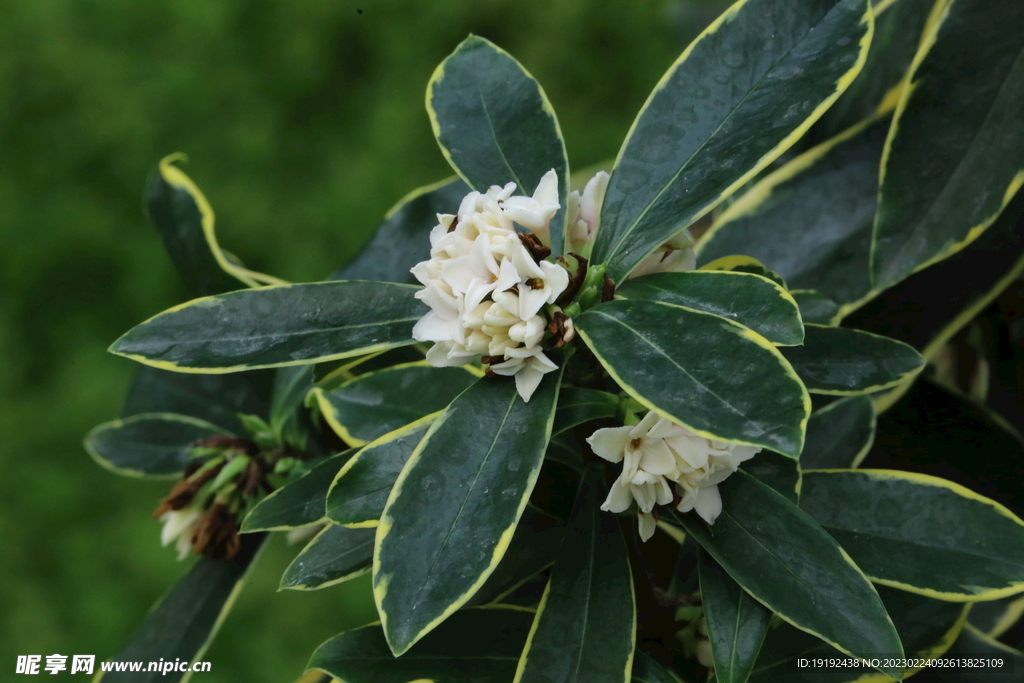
(361, 488)
(565, 450)
(184, 219)
(927, 628)
(334, 373)
(919, 533)
(791, 565)
(299, 502)
(371, 405)
(840, 434)
(815, 307)
(839, 360)
(646, 670)
(273, 326)
(955, 152)
(994, 617)
(929, 307)
(452, 512)
(738, 263)
(811, 219)
(933, 431)
(736, 99)
(533, 548)
(898, 29)
(150, 444)
(480, 645)
(750, 300)
(214, 398)
(737, 623)
(1004, 663)
(403, 239)
(778, 471)
(577, 406)
(185, 620)
(714, 376)
(585, 628)
(335, 555)
(291, 384)
(495, 125)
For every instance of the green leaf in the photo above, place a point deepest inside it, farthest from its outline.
(185, 620)
(148, 445)
(737, 623)
(335, 555)
(646, 670)
(778, 471)
(495, 125)
(360, 490)
(815, 307)
(371, 405)
(898, 29)
(184, 218)
(811, 219)
(585, 627)
(274, 326)
(960, 121)
(298, 503)
(452, 512)
(565, 449)
(994, 617)
(213, 398)
(403, 239)
(712, 375)
(887, 521)
(291, 384)
(934, 431)
(841, 361)
(927, 628)
(737, 263)
(744, 91)
(840, 434)
(750, 300)
(975, 645)
(579, 406)
(480, 645)
(930, 306)
(779, 555)
(533, 548)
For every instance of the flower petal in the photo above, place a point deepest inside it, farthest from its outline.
(610, 443)
(619, 498)
(646, 525)
(709, 503)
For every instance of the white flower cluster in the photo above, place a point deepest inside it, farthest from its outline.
(657, 453)
(484, 287)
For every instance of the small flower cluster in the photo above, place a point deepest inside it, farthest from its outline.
(657, 453)
(487, 285)
(226, 474)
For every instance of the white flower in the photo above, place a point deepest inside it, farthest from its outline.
(585, 213)
(485, 289)
(542, 282)
(535, 213)
(528, 366)
(657, 452)
(673, 256)
(179, 525)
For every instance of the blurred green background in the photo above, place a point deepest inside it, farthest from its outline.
(304, 123)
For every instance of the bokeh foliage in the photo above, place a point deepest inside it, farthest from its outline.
(305, 123)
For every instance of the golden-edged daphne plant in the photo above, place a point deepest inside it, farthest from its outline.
(572, 442)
